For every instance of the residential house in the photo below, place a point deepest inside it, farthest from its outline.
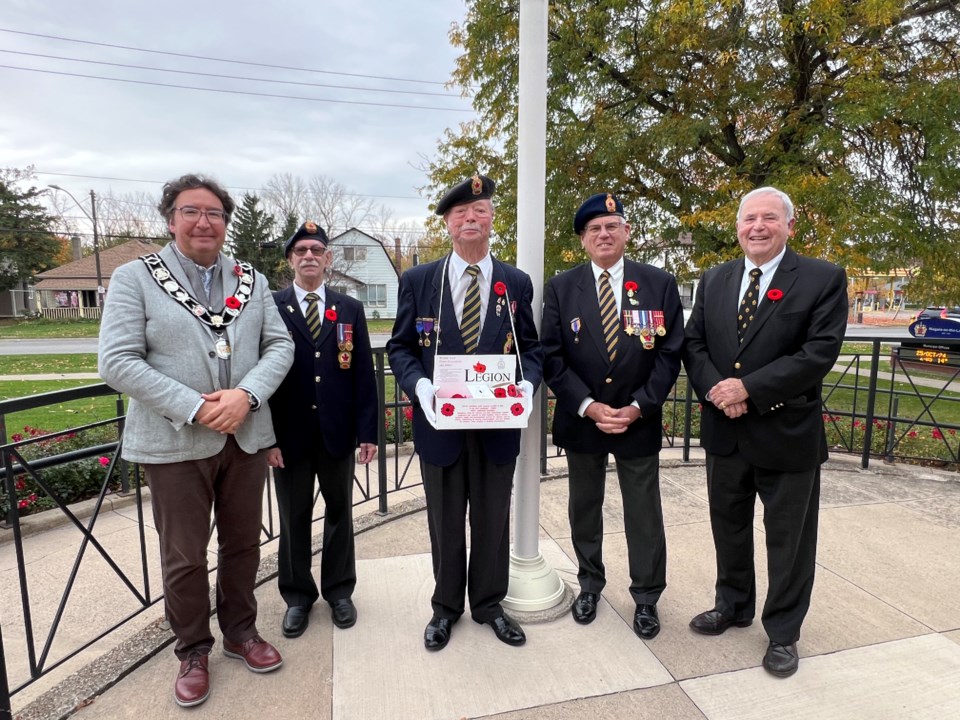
(363, 269)
(70, 291)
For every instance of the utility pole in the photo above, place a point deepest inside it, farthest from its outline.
(101, 290)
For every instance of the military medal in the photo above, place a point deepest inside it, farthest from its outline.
(427, 329)
(508, 345)
(345, 336)
(575, 326)
(658, 323)
(222, 347)
(345, 358)
(420, 331)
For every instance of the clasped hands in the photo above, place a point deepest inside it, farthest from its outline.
(730, 397)
(611, 420)
(224, 410)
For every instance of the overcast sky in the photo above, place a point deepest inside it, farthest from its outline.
(66, 125)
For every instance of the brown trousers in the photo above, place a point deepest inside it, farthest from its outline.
(230, 484)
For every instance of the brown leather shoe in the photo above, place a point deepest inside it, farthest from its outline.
(259, 655)
(193, 681)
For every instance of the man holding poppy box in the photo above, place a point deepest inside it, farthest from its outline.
(612, 331)
(323, 411)
(765, 330)
(467, 303)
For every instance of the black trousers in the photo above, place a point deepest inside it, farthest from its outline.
(790, 514)
(295, 499)
(642, 519)
(485, 487)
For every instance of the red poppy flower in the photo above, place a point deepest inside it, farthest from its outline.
(630, 286)
(517, 409)
(513, 391)
(457, 396)
(331, 315)
(233, 303)
(446, 409)
(499, 392)
(480, 367)
(774, 294)
(499, 288)
(237, 270)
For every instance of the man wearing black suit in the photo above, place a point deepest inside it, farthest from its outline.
(758, 346)
(611, 380)
(474, 467)
(324, 409)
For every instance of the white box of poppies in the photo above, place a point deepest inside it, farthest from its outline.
(478, 392)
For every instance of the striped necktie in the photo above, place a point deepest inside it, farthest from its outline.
(313, 315)
(748, 305)
(608, 315)
(470, 320)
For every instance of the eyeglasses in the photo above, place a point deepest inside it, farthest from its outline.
(610, 227)
(192, 214)
(316, 250)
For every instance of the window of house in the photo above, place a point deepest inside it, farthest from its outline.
(373, 295)
(355, 254)
(342, 289)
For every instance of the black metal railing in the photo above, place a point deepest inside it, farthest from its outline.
(860, 400)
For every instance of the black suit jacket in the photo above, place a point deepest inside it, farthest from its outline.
(318, 396)
(790, 346)
(419, 297)
(577, 365)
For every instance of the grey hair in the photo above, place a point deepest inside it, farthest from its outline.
(769, 190)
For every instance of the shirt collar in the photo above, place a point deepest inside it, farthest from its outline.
(616, 271)
(302, 294)
(460, 265)
(769, 267)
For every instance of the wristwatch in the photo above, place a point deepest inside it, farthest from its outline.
(252, 399)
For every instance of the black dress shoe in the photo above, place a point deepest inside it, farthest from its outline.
(646, 622)
(295, 620)
(585, 608)
(437, 634)
(781, 660)
(507, 630)
(714, 622)
(344, 613)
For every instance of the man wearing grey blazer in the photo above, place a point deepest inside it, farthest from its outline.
(194, 338)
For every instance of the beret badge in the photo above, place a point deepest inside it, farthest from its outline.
(310, 227)
(611, 204)
(476, 185)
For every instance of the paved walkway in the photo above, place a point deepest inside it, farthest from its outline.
(882, 639)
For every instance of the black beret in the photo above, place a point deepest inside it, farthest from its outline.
(595, 206)
(479, 187)
(307, 230)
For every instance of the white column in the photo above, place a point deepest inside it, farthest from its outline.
(534, 585)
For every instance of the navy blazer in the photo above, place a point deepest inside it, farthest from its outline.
(790, 346)
(577, 365)
(318, 396)
(419, 297)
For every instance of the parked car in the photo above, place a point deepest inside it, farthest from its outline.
(945, 313)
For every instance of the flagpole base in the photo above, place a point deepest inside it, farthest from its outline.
(534, 585)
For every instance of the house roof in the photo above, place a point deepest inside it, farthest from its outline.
(372, 239)
(82, 274)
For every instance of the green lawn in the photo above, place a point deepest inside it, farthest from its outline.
(44, 364)
(40, 328)
(946, 409)
(59, 416)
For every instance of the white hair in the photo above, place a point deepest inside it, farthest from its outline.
(769, 190)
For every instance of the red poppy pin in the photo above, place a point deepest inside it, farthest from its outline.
(630, 286)
(513, 391)
(446, 409)
(237, 270)
(517, 409)
(480, 367)
(331, 314)
(499, 392)
(773, 294)
(457, 396)
(499, 288)
(232, 302)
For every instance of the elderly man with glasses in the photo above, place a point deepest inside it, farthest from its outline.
(612, 332)
(193, 337)
(325, 409)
